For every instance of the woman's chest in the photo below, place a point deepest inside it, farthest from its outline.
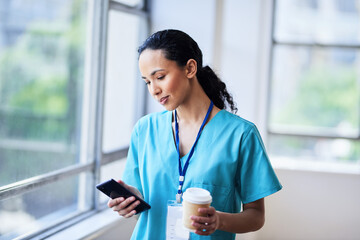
(214, 161)
(187, 136)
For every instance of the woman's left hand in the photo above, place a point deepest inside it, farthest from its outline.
(206, 225)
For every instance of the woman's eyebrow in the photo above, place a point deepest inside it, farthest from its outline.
(153, 72)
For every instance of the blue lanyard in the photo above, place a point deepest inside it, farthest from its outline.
(182, 172)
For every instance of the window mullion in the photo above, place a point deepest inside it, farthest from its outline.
(315, 44)
(103, 7)
(37, 181)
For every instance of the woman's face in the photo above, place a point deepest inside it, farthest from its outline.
(167, 82)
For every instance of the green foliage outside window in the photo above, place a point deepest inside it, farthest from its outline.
(41, 77)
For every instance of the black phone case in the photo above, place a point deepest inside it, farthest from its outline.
(114, 189)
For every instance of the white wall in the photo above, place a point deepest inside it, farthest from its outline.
(313, 205)
(240, 53)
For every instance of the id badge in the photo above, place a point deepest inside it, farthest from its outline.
(174, 225)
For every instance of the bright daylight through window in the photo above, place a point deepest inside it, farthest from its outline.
(41, 78)
(53, 95)
(314, 109)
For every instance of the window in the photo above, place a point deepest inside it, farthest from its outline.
(125, 32)
(69, 97)
(314, 107)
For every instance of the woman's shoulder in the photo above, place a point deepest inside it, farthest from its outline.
(229, 119)
(234, 125)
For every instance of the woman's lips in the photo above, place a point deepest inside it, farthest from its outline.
(163, 100)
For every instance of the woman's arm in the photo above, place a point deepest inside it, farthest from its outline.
(252, 218)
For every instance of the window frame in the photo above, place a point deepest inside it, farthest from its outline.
(91, 157)
(292, 132)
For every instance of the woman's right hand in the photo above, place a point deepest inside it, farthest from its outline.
(125, 207)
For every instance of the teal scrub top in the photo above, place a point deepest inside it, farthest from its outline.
(229, 160)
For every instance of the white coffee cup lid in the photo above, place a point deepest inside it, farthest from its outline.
(197, 195)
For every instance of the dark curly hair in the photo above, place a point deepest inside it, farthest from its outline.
(180, 47)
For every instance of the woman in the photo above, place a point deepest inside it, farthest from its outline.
(226, 156)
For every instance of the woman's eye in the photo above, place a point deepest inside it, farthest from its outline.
(161, 77)
(147, 83)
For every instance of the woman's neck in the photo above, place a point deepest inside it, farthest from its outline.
(195, 107)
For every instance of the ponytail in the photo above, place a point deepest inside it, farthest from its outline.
(215, 89)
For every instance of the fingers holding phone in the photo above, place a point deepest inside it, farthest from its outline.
(124, 207)
(125, 199)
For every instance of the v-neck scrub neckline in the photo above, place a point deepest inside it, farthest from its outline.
(172, 136)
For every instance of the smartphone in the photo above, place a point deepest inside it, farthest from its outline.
(113, 189)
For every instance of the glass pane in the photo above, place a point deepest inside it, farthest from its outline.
(331, 150)
(112, 170)
(45, 206)
(41, 72)
(122, 80)
(316, 90)
(329, 21)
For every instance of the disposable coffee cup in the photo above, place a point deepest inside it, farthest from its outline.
(193, 199)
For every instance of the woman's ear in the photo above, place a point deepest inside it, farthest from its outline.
(191, 68)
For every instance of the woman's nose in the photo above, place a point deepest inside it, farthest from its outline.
(154, 89)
